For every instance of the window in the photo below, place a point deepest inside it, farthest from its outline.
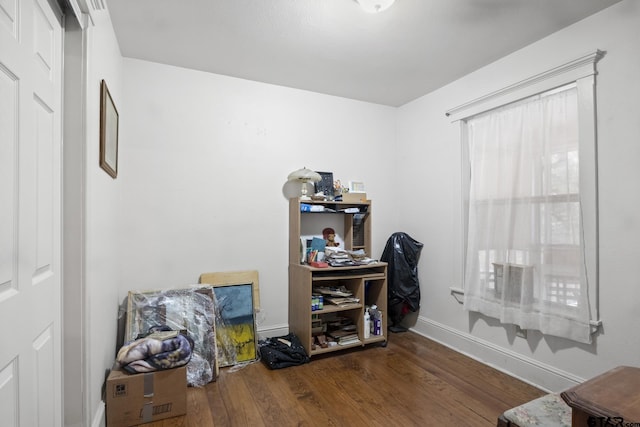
(531, 206)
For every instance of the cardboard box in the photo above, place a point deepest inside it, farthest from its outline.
(134, 399)
(354, 197)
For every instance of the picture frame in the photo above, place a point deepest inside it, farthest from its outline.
(356, 187)
(109, 122)
(325, 185)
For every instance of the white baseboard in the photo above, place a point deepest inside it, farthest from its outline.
(98, 418)
(273, 331)
(524, 368)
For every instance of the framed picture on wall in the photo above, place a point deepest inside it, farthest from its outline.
(108, 132)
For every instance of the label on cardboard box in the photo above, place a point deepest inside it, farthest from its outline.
(133, 399)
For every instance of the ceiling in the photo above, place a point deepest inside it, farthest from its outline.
(335, 48)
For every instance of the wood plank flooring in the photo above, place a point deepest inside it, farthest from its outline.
(413, 381)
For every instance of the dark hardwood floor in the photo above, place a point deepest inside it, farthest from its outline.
(413, 381)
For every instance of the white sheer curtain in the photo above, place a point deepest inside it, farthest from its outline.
(525, 258)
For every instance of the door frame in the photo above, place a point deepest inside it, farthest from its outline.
(75, 369)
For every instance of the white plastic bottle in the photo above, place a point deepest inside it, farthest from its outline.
(367, 324)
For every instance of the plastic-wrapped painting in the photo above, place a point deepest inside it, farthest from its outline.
(235, 324)
(192, 310)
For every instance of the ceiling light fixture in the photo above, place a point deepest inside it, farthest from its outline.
(374, 6)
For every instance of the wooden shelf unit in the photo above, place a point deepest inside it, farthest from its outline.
(368, 283)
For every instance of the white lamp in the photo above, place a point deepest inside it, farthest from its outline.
(374, 6)
(304, 175)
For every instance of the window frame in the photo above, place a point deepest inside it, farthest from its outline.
(581, 71)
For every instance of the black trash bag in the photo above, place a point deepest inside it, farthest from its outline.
(282, 352)
(402, 253)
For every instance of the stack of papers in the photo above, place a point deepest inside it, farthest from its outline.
(350, 210)
(333, 291)
(339, 257)
(341, 301)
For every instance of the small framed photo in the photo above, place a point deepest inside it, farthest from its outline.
(356, 187)
(108, 132)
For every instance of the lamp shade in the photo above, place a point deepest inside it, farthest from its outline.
(374, 6)
(304, 175)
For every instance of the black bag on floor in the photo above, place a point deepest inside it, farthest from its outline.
(282, 352)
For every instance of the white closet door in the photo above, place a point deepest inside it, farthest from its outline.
(30, 217)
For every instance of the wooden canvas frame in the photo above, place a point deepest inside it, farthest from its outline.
(234, 278)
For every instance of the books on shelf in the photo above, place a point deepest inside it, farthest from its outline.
(344, 337)
(352, 341)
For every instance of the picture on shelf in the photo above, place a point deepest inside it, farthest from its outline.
(325, 185)
(356, 187)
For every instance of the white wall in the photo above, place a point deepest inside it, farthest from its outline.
(429, 147)
(203, 161)
(103, 208)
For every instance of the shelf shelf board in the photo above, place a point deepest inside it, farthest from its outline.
(361, 343)
(365, 276)
(330, 308)
(338, 347)
(333, 202)
(375, 338)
